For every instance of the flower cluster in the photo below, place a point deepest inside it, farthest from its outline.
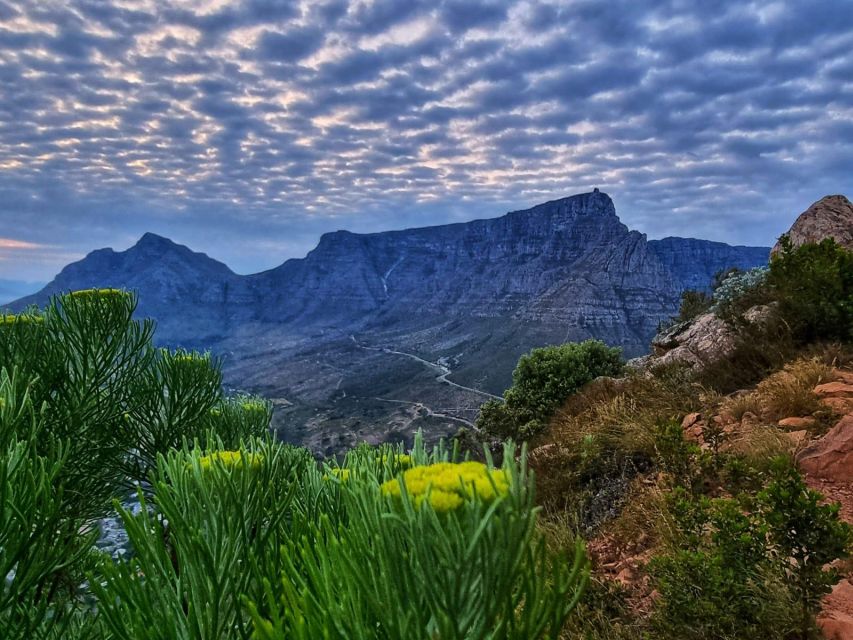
(341, 474)
(24, 318)
(231, 459)
(403, 461)
(448, 485)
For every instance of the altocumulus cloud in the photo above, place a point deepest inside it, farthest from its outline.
(245, 129)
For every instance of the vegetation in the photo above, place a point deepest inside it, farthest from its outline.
(238, 536)
(541, 382)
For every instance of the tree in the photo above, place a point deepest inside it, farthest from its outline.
(541, 382)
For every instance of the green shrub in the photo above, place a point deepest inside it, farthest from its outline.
(693, 303)
(807, 536)
(813, 285)
(749, 567)
(541, 382)
(335, 553)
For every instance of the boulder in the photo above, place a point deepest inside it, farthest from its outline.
(796, 423)
(829, 217)
(831, 457)
(836, 617)
(705, 339)
(837, 389)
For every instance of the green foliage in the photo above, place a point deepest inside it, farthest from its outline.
(541, 382)
(807, 536)
(86, 405)
(324, 553)
(749, 567)
(40, 544)
(813, 285)
(693, 303)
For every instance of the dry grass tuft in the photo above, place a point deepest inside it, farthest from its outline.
(790, 392)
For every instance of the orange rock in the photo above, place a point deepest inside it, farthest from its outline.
(831, 457)
(690, 419)
(797, 423)
(797, 438)
(834, 389)
(836, 616)
(836, 626)
(839, 405)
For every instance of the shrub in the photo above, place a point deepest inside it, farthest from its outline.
(370, 549)
(813, 284)
(541, 382)
(807, 535)
(749, 567)
(693, 303)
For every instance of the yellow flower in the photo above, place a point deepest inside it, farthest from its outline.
(232, 459)
(448, 485)
(253, 406)
(404, 461)
(341, 474)
(24, 318)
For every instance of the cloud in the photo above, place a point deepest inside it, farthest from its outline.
(246, 129)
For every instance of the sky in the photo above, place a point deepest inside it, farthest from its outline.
(247, 129)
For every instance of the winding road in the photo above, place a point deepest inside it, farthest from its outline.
(441, 378)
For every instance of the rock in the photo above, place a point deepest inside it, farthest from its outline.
(690, 419)
(760, 313)
(705, 339)
(843, 376)
(749, 420)
(841, 406)
(795, 423)
(836, 616)
(797, 439)
(829, 217)
(834, 390)
(831, 457)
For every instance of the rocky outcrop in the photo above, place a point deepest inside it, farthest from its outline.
(829, 217)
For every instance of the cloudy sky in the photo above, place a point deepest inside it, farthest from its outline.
(246, 129)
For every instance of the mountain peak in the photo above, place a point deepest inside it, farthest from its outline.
(149, 239)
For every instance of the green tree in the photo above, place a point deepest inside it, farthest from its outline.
(813, 285)
(541, 382)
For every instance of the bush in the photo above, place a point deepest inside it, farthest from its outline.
(813, 284)
(749, 567)
(541, 382)
(693, 303)
(364, 550)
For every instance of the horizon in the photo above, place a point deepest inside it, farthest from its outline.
(246, 130)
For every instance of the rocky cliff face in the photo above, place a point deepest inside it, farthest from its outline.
(829, 217)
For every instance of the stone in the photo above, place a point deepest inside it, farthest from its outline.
(829, 217)
(836, 617)
(834, 390)
(839, 406)
(690, 419)
(796, 423)
(831, 457)
(797, 439)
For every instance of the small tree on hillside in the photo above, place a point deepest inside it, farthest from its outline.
(541, 382)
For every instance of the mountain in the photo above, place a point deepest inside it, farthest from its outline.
(368, 320)
(173, 284)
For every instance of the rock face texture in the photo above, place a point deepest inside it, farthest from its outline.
(829, 217)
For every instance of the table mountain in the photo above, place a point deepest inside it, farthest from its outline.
(469, 297)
